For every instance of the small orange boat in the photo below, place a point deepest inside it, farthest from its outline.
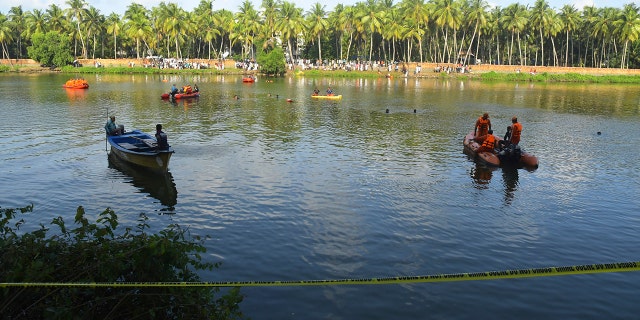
(249, 79)
(76, 84)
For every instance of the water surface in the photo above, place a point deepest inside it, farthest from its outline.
(373, 185)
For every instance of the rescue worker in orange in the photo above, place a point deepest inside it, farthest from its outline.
(488, 142)
(483, 125)
(516, 131)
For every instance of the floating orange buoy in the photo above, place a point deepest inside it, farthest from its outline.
(289, 100)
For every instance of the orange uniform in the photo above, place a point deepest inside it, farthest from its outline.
(482, 125)
(516, 130)
(489, 144)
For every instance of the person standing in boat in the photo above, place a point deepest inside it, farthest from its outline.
(112, 129)
(173, 90)
(161, 138)
(516, 131)
(483, 125)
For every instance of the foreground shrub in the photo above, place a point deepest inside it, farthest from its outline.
(93, 252)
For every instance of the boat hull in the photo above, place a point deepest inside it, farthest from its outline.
(76, 87)
(181, 95)
(137, 148)
(492, 159)
(337, 97)
(471, 148)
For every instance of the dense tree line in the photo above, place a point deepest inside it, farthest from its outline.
(440, 31)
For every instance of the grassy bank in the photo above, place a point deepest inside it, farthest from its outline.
(501, 73)
(486, 76)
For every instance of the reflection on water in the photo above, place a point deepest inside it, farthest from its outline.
(510, 182)
(75, 94)
(157, 184)
(482, 176)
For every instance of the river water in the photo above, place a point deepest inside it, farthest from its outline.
(374, 185)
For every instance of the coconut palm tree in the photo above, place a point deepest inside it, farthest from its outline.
(76, 12)
(416, 14)
(226, 25)
(249, 25)
(36, 22)
(137, 25)
(174, 22)
(554, 26)
(317, 24)
(570, 19)
(114, 27)
(6, 35)
(290, 24)
(602, 28)
(394, 30)
(447, 16)
(539, 20)
(628, 28)
(56, 20)
(17, 17)
(270, 14)
(371, 18)
(207, 22)
(94, 23)
(478, 15)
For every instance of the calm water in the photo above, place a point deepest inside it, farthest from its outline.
(333, 190)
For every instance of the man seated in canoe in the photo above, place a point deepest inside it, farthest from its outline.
(161, 138)
(329, 91)
(112, 129)
(316, 92)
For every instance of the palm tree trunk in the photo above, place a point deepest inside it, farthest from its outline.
(319, 48)
(466, 57)
(566, 55)
(511, 47)
(541, 47)
(520, 49)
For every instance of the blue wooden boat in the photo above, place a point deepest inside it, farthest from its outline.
(139, 148)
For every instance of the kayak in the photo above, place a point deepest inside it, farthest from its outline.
(336, 97)
(510, 156)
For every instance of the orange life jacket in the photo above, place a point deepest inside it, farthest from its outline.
(489, 143)
(516, 130)
(483, 126)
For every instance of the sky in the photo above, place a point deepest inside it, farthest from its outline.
(107, 7)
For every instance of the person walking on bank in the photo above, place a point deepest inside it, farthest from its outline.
(516, 131)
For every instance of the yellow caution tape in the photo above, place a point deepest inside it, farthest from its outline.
(450, 277)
